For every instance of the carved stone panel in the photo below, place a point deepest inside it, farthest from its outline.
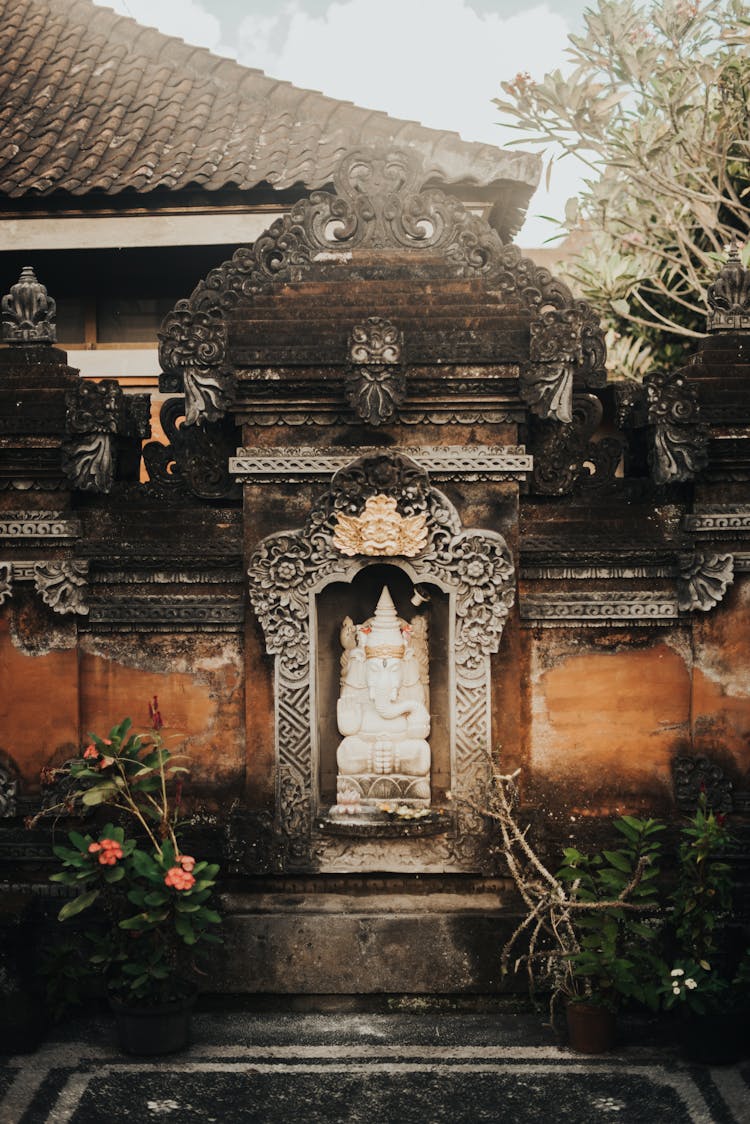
(286, 572)
(380, 201)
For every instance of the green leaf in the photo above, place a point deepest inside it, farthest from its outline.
(99, 794)
(618, 861)
(77, 905)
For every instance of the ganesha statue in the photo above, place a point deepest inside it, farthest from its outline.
(382, 710)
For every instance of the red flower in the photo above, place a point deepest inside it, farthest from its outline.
(155, 716)
(187, 862)
(111, 851)
(91, 751)
(179, 879)
(106, 762)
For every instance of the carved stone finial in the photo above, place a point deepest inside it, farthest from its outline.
(28, 312)
(703, 580)
(375, 380)
(729, 295)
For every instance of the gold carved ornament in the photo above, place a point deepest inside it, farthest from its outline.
(380, 531)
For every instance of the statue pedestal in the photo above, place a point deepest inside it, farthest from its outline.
(374, 788)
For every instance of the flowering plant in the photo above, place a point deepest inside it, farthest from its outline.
(694, 987)
(154, 898)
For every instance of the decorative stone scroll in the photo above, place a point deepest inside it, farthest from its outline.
(39, 525)
(175, 613)
(6, 581)
(96, 415)
(704, 579)
(555, 350)
(375, 378)
(290, 567)
(565, 457)
(720, 521)
(379, 202)
(729, 296)
(28, 312)
(601, 607)
(679, 439)
(442, 462)
(62, 585)
(196, 457)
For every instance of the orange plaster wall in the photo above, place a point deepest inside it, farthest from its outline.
(606, 724)
(38, 706)
(200, 700)
(721, 688)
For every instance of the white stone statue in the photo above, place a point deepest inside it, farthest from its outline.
(382, 709)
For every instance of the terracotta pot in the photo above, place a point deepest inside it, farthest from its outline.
(150, 1031)
(591, 1029)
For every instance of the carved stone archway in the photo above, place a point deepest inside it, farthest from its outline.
(473, 566)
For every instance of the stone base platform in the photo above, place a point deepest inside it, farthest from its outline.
(352, 944)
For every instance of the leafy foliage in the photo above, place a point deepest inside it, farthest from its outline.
(616, 957)
(656, 106)
(702, 903)
(153, 902)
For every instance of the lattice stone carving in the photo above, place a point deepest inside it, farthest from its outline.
(28, 312)
(379, 201)
(290, 567)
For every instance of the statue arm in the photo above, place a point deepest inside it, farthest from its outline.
(348, 716)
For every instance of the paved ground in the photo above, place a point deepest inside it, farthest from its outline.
(434, 1067)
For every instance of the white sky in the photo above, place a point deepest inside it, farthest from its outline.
(435, 61)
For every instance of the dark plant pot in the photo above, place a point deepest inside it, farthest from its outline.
(591, 1029)
(715, 1039)
(22, 1023)
(150, 1031)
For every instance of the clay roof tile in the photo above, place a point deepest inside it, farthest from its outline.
(91, 100)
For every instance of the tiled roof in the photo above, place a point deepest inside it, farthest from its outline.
(93, 102)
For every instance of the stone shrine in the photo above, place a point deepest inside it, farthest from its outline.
(403, 527)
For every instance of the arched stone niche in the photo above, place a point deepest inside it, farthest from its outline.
(357, 598)
(295, 576)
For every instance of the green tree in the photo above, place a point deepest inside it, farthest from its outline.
(656, 106)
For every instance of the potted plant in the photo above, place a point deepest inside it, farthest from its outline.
(147, 900)
(584, 932)
(706, 981)
(616, 957)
